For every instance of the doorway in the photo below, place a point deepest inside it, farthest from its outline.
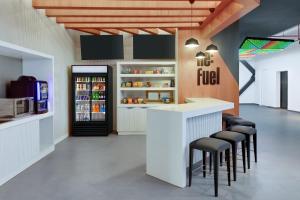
(284, 90)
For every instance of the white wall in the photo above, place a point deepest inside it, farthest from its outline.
(268, 70)
(249, 96)
(22, 25)
(10, 69)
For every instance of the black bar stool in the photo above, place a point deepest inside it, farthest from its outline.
(234, 138)
(214, 146)
(241, 122)
(248, 132)
(226, 117)
(231, 120)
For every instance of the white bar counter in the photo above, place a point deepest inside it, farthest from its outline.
(170, 129)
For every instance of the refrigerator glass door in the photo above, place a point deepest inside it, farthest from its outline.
(82, 98)
(98, 98)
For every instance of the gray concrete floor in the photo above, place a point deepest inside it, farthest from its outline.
(113, 168)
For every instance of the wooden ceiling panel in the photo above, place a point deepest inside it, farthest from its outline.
(169, 30)
(123, 5)
(130, 31)
(128, 19)
(124, 13)
(210, 16)
(152, 31)
(90, 31)
(131, 25)
(110, 31)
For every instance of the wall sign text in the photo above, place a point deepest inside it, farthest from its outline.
(206, 75)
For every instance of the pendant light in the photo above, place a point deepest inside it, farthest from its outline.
(192, 42)
(212, 49)
(200, 55)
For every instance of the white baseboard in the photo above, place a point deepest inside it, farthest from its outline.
(60, 139)
(28, 164)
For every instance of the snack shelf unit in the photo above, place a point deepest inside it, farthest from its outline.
(162, 77)
(146, 75)
(148, 89)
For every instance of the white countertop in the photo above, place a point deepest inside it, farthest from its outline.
(22, 120)
(197, 106)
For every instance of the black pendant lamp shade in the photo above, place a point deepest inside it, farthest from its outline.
(211, 48)
(200, 55)
(191, 43)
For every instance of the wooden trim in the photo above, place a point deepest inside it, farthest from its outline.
(171, 31)
(216, 12)
(128, 19)
(130, 31)
(130, 25)
(90, 31)
(152, 31)
(124, 13)
(110, 31)
(123, 5)
(226, 16)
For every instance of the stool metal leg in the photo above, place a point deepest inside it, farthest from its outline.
(234, 152)
(216, 172)
(255, 146)
(244, 156)
(191, 166)
(204, 163)
(227, 155)
(210, 161)
(248, 150)
(221, 158)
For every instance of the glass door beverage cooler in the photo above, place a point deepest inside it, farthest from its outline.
(92, 100)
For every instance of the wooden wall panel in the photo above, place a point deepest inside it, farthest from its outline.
(227, 90)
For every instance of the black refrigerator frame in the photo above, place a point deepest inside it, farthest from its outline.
(93, 128)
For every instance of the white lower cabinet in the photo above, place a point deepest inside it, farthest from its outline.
(24, 142)
(131, 120)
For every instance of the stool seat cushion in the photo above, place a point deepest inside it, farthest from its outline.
(210, 144)
(229, 136)
(240, 121)
(227, 117)
(243, 129)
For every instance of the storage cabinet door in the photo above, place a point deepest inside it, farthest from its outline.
(126, 119)
(140, 119)
(122, 119)
(19, 146)
(131, 119)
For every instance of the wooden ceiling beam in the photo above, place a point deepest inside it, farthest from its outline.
(130, 31)
(128, 19)
(90, 31)
(131, 25)
(123, 5)
(171, 31)
(152, 31)
(216, 12)
(125, 13)
(166, 0)
(224, 15)
(110, 31)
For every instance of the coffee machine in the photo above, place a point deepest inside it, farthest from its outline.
(29, 86)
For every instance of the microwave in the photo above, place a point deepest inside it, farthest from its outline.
(28, 86)
(16, 107)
